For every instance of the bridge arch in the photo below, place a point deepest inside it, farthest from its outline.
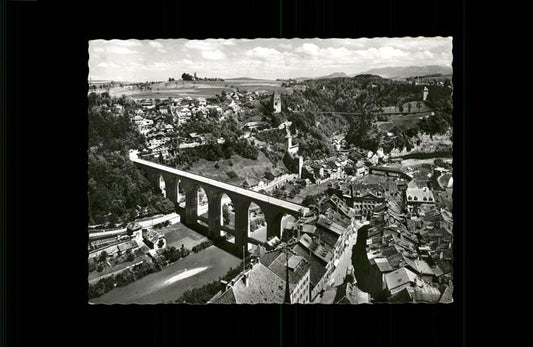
(162, 185)
(257, 223)
(202, 206)
(182, 188)
(180, 194)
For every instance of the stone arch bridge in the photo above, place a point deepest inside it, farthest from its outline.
(176, 180)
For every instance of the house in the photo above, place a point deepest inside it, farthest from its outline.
(153, 239)
(202, 102)
(317, 271)
(272, 173)
(298, 273)
(415, 197)
(249, 183)
(346, 293)
(267, 284)
(400, 279)
(257, 285)
(366, 197)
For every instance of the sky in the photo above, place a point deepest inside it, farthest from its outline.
(158, 60)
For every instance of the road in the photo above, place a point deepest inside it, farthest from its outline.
(338, 275)
(162, 287)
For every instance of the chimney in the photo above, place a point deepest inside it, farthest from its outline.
(245, 279)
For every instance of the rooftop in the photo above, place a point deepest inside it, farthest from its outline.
(264, 286)
(419, 195)
(399, 278)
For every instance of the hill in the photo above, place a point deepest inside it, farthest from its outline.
(333, 75)
(118, 191)
(410, 71)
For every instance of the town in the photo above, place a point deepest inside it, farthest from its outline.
(326, 190)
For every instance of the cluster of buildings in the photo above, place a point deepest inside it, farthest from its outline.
(119, 242)
(159, 120)
(408, 258)
(374, 237)
(298, 268)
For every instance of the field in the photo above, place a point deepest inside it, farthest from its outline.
(404, 121)
(241, 166)
(310, 190)
(195, 89)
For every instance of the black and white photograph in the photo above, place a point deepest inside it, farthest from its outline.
(270, 171)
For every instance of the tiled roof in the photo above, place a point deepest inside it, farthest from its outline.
(330, 225)
(317, 270)
(447, 295)
(263, 287)
(127, 245)
(399, 278)
(348, 293)
(151, 234)
(419, 195)
(383, 264)
(298, 267)
(225, 297)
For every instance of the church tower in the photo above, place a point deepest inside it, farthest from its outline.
(426, 92)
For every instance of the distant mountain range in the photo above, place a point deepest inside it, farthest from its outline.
(333, 75)
(410, 71)
(392, 72)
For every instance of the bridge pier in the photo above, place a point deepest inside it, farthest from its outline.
(273, 224)
(273, 209)
(191, 203)
(214, 198)
(171, 188)
(241, 221)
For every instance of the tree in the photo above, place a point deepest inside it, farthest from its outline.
(130, 257)
(160, 243)
(186, 77)
(103, 256)
(225, 214)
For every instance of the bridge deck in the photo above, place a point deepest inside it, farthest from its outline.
(225, 186)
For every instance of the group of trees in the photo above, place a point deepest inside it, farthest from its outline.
(363, 97)
(123, 278)
(311, 200)
(202, 245)
(172, 254)
(118, 191)
(257, 223)
(226, 216)
(228, 129)
(187, 77)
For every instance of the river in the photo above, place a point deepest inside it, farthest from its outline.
(170, 283)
